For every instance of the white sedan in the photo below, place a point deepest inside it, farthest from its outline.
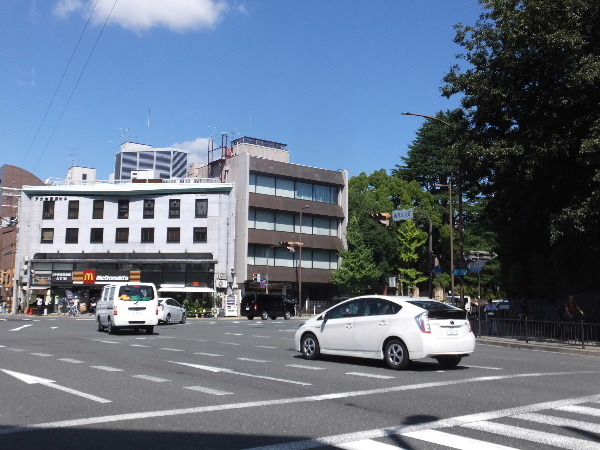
(169, 311)
(395, 329)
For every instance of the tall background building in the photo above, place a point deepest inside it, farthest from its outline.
(166, 162)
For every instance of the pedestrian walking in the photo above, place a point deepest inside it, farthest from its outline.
(491, 317)
(40, 305)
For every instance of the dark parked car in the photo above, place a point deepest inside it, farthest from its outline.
(267, 305)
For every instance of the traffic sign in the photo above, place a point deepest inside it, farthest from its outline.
(403, 214)
(476, 255)
(460, 271)
(476, 266)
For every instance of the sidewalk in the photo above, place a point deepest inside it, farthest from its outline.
(556, 347)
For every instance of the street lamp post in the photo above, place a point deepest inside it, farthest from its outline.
(449, 186)
(461, 233)
(300, 244)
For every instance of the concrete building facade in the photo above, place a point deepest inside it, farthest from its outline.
(166, 162)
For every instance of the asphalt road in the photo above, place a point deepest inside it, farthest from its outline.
(239, 384)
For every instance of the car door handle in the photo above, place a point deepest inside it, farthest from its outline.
(383, 323)
(349, 325)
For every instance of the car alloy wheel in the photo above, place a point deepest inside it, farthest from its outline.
(395, 354)
(310, 347)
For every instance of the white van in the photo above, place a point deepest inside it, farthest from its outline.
(127, 305)
(454, 300)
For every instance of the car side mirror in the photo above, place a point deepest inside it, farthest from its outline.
(325, 317)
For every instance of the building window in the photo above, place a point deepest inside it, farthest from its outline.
(73, 209)
(174, 208)
(122, 235)
(148, 234)
(98, 211)
(265, 185)
(265, 220)
(48, 212)
(173, 234)
(47, 235)
(284, 188)
(199, 234)
(72, 236)
(148, 209)
(123, 209)
(96, 235)
(201, 208)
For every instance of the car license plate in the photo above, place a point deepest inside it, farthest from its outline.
(451, 331)
(247, 308)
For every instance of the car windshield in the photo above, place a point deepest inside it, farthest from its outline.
(439, 310)
(136, 293)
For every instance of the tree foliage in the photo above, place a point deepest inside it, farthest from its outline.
(531, 91)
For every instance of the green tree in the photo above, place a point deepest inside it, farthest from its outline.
(410, 240)
(358, 273)
(531, 90)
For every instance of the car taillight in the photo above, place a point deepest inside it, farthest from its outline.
(423, 322)
(115, 310)
(157, 311)
(255, 307)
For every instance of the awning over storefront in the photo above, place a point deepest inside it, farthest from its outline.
(166, 288)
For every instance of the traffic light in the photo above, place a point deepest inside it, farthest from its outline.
(291, 246)
(256, 277)
(383, 218)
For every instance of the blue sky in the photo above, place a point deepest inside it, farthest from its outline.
(328, 78)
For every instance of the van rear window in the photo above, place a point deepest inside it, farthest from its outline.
(136, 293)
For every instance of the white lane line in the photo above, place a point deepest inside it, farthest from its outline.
(107, 368)
(370, 375)
(483, 367)
(207, 390)
(369, 444)
(540, 437)
(219, 369)
(235, 334)
(454, 441)
(3, 346)
(333, 440)
(582, 410)
(53, 328)
(170, 349)
(149, 378)
(229, 343)
(267, 337)
(21, 327)
(16, 349)
(70, 360)
(41, 354)
(107, 342)
(253, 360)
(206, 354)
(138, 345)
(560, 422)
(298, 366)
(264, 346)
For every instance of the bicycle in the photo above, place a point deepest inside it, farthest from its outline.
(72, 311)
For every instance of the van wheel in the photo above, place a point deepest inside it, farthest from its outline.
(310, 346)
(99, 324)
(449, 361)
(149, 330)
(287, 315)
(111, 328)
(168, 319)
(264, 315)
(250, 317)
(395, 354)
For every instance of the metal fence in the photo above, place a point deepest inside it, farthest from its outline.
(576, 333)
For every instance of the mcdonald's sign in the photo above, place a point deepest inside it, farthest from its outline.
(89, 277)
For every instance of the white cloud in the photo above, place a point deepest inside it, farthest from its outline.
(141, 15)
(198, 149)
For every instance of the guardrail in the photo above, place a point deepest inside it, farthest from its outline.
(577, 333)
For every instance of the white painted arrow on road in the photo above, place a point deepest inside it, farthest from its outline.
(20, 328)
(31, 379)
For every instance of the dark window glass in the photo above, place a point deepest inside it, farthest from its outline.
(98, 212)
(73, 209)
(199, 234)
(148, 209)
(201, 207)
(72, 236)
(147, 234)
(123, 209)
(173, 234)
(174, 208)
(96, 235)
(122, 235)
(47, 235)
(348, 309)
(48, 212)
(380, 307)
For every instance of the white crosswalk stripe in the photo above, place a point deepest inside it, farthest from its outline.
(208, 390)
(581, 410)
(368, 444)
(454, 441)
(561, 422)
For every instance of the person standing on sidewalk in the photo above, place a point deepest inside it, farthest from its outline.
(491, 313)
(40, 305)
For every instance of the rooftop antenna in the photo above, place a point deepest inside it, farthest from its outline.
(148, 126)
(72, 157)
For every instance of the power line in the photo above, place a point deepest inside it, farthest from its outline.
(77, 83)
(59, 84)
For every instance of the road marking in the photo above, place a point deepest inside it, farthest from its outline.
(41, 354)
(582, 410)
(2, 346)
(369, 444)
(560, 422)
(454, 441)
(298, 366)
(229, 343)
(107, 368)
(253, 360)
(138, 345)
(171, 349)
(334, 440)
(483, 367)
(540, 437)
(69, 360)
(218, 369)
(370, 375)
(267, 337)
(207, 390)
(21, 327)
(53, 328)
(106, 342)
(206, 354)
(264, 346)
(235, 334)
(30, 379)
(149, 378)
(16, 349)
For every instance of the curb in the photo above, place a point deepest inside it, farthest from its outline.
(559, 348)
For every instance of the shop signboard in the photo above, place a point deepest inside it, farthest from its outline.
(62, 277)
(41, 279)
